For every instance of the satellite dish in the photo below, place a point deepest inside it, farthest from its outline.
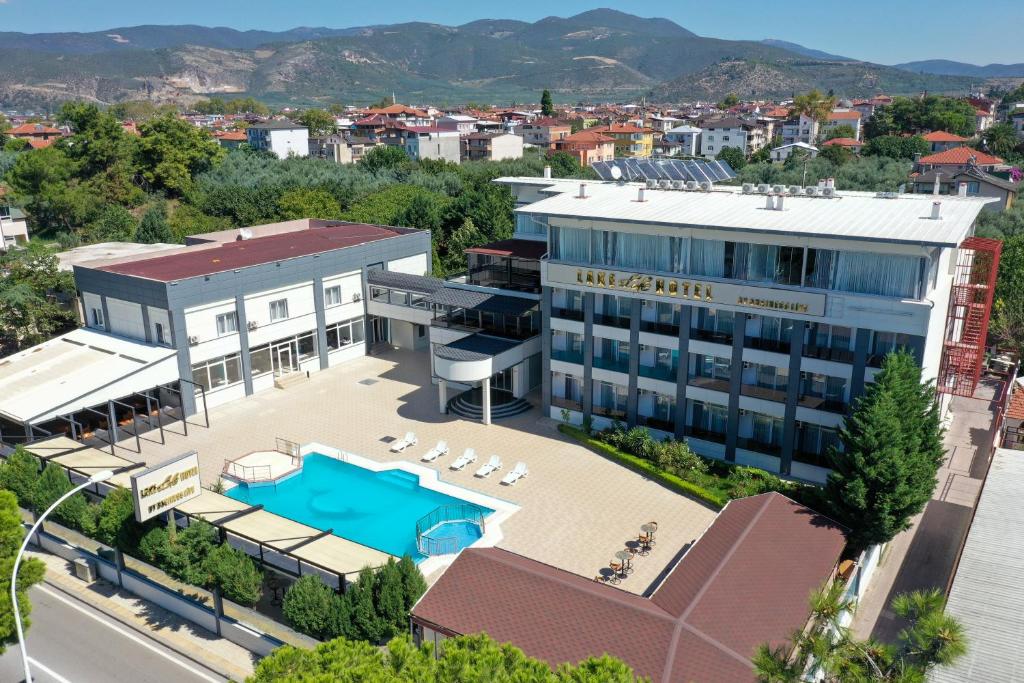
(616, 173)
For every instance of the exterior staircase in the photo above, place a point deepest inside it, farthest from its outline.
(468, 405)
(290, 379)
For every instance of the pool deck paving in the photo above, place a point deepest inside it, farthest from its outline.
(576, 508)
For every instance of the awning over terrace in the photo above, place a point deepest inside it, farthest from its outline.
(77, 370)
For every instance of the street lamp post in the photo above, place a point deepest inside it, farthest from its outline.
(98, 477)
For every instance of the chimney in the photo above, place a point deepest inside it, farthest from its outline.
(937, 185)
(961, 189)
(778, 202)
(769, 203)
(640, 195)
(583, 191)
(821, 183)
(547, 171)
(831, 184)
(936, 209)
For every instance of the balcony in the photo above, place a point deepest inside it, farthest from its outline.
(615, 364)
(610, 413)
(828, 353)
(567, 313)
(810, 458)
(567, 356)
(750, 444)
(705, 434)
(829, 405)
(712, 383)
(568, 403)
(656, 423)
(765, 393)
(611, 320)
(775, 345)
(667, 374)
(669, 329)
(711, 336)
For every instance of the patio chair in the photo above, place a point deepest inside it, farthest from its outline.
(403, 443)
(437, 451)
(460, 462)
(492, 465)
(517, 473)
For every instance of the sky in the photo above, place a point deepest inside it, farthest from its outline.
(881, 31)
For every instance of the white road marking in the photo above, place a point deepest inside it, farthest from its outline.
(36, 664)
(128, 635)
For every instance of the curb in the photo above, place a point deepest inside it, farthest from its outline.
(149, 635)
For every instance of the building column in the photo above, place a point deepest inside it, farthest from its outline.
(588, 353)
(180, 336)
(685, 313)
(545, 350)
(442, 396)
(796, 351)
(634, 362)
(243, 342)
(321, 321)
(739, 331)
(485, 386)
(860, 361)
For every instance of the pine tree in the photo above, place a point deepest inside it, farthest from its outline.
(366, 624)
(390, 600)
(153, 227)
(413, 583)
(892, 449)
(547, 107)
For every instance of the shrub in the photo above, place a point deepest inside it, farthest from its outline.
(184, 557)
(115, 522)
(309, 607)
(18, 474)
(389, 599)
(366, 624)
(413, 583)
(51, 485)
(235, 574)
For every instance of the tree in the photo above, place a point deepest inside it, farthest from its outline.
(730, 100)
(51, 485)
(5, 125)
(814, 105)
(1008, 318)
(931, 639)
(836, 154)
(841, 131)
(465, 659)
(172, 151)
(19, 474)
(413, 583)
(367, 624)
(115, 524)
(564, 165)
(32, 295)
(389, 598)
(308, 203)
(547, 107)
(383, 157)
(45, 181)
(1001, 139)
(308, 605)
(103, 153)
(234, 572)
(733, 156)
(153, 227)
(896, 146)
(891, 451)
(319, 122)
(115, 224)
(31, 571)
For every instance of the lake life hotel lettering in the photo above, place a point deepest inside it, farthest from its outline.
(165, 486)
(683, 289)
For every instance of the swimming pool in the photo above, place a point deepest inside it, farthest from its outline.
(376, 509)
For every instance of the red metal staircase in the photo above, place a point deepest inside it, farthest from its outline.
(970, 307)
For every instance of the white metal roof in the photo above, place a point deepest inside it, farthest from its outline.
(80, 369)
(987, 595)
(849, 215)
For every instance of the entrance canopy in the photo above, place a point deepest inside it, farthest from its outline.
(77, 370)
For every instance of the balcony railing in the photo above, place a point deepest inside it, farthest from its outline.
(705, 434)
(750, 444)
(713, 383)
(613, 413)
(830, 405)
(809, 458)
(656, 423)
(611, 320)
(669, 329)
(560, 402)
(615, 364)
(828, 353)
(567, 313)
(776, 345)
(711, 335)
(766, 393)
(567, 356)
(661, 372)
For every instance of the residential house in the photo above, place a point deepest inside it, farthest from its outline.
(230, 139)
(956, 159)
(630, 140)
(849, 117)
(494, 146)
(663, 124)
(400, 113)
(969, 182)
(334, 148)
(588, 146)
(13, 226)
(782, 152)
(545, 132)
(35, 131)
(460, 123)
(718, 134)
(280, 137)
(984, 112)
(854, 146)
(940, 140)
(702, 622)
(431, 142)
(688, 137)
(803, 128)
(1017, 119)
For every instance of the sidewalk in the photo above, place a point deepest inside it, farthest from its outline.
(196, 643)
(924, 556)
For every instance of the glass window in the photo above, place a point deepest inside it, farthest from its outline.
(332, 296)
(227, 323)
(97, 317)
(278, 310)
(158, 332)
(570, 244)
(379, 294)
(707, 258)
(259, 358)
(400, 298)
(307, 346)
(218, 372)
(233, 366)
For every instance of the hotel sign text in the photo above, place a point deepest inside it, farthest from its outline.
(660, 287)
(166, 486)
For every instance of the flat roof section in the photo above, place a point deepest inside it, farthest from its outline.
(524, 249)
(80, 369)
(987, 596)
(84, 459)
(421, 284)
(850, 215)
(205, 260)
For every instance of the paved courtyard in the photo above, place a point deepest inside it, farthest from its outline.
(577, 509)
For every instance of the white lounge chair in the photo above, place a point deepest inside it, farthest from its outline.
(460, 462)
(437, 451)
(492, 465)
(517, 473)
(402, 444)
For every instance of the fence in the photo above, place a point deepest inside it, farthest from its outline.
(445, 545)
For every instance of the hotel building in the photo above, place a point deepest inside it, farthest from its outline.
(747, 320)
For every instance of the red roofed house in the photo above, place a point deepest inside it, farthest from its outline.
(400, 113)
(630, 140)
(545, 132)
(849, 143)
(230, 139)
(851, 118)
(588, 146)
(940, 140)
(744, 582)
(35, 131)
(1014, 418)
(957, 159)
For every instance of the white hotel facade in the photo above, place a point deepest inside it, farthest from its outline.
(746, 322)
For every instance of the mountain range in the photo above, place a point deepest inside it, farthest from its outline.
(599, 54)
(945, 67)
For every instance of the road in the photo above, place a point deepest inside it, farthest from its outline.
(69, 642)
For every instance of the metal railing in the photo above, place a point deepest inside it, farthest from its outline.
(445, 545)
(247, 473)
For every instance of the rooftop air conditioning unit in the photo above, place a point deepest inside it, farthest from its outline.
(252, 325)
(748, 188)
(811, 191)
(796, 189)
(778, 189)
(762, 188)
(691, 184)
(828, 192)
(665, 184)
(357, 297)
(652, 184)
(705, 186)
(193, 340)
(678, 184)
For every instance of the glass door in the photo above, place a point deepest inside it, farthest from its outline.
(284, 358)
(379, 330)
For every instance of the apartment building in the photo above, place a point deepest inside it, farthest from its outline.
(588, 146)
(749, 329)
(719, 134)
(492, 146)
(545, 132)
(279, 136)
(430, 142)
(630, 140)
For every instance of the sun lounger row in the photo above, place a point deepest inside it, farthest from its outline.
(469, 456)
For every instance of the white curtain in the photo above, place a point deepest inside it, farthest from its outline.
(570, 244)
(707, 258)
(643, 252)
(881, 274)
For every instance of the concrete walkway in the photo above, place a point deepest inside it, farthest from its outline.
(925, 555)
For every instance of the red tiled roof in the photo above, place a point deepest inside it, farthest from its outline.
(942, 136)
(843, 115)
(39, 143)
(231, 135)
(33, 129)
(203, 260)
(527, 249)
(549, 122)
(842, 142)
(960, 156)
(587, 136)
(396, 109)
(746, 581)
(621, 128)
(1015, 411)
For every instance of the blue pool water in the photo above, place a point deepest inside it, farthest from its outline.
(377, 509)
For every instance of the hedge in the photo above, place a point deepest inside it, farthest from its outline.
(645, 467)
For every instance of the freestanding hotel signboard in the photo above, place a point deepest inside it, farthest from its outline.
(161, 488)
